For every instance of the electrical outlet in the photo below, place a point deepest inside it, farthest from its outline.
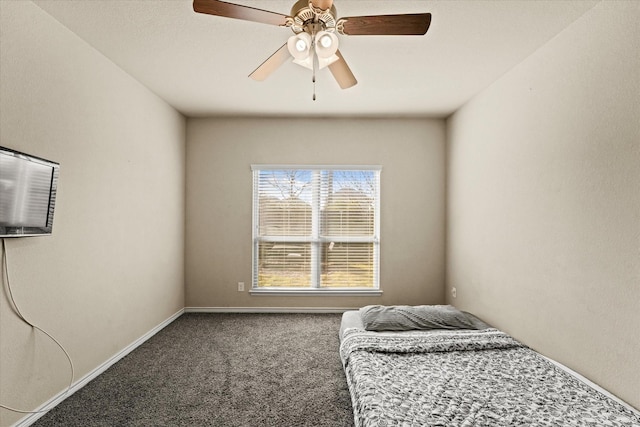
(454, 292)
(240, 286)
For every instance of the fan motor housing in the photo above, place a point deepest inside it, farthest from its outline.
(304, 15)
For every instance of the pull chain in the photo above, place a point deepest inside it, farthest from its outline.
(315, 61)
(314, 80)
(313, 44)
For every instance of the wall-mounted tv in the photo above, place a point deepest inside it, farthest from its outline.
(27, 194)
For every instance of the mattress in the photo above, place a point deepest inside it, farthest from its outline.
(466, 378)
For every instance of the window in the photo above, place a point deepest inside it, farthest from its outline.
(316, 228)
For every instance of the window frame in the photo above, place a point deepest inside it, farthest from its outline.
(315, 239)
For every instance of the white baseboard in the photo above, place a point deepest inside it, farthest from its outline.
(51, 403)
(266, 309)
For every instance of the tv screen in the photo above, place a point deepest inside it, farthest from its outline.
(27, 194)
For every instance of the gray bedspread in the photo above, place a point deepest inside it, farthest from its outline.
(466, 378)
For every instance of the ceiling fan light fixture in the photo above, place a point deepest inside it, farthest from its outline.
(299, 46)
(325, 62)
(306, 63)
(326, 44)
(326, 41)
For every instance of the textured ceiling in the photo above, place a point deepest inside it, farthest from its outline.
(199, 63)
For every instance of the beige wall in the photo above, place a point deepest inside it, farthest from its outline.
(219, 194)
(113, 268)
(544, 200)
(543, 217)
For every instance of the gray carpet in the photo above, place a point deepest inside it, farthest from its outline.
(221, 370)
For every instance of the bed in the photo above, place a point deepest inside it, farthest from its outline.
(463, 373)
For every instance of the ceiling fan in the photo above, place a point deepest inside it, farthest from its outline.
(314, 44)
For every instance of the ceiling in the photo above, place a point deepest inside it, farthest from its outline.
(199, 63)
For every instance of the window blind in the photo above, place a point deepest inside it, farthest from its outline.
(316, 227)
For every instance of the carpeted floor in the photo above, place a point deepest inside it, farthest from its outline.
(221, 370)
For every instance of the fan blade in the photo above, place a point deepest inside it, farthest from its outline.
(415, 24)
(342, 73)
(271, 64)
(322, 4)
(230, 10)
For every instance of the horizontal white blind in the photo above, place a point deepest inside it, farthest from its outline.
(316, 228)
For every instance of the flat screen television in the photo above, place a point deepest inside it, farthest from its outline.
(28, 187)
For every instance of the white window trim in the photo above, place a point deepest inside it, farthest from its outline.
(315, 292)
(317, 167)
(312, 291)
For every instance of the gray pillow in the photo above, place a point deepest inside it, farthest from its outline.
(478, 323)
(421, 317)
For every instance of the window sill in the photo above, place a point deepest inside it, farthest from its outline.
(315, 292)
